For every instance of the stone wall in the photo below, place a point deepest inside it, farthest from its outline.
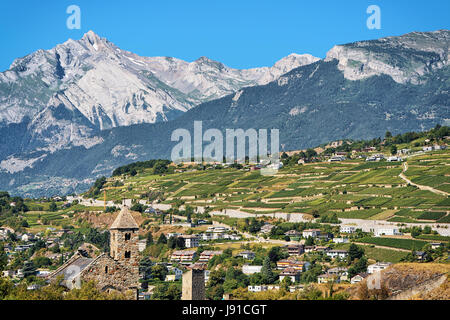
(112, 274)
(193, 285)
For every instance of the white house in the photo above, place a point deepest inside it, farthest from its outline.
(337, 253)
(311, 233)
(387, 232)
(173, 234)
(191, 241)
(376, 267)
(248, 255)
(340, 240)
(348, 229)
(248, 269)
(27, 237)
(394, 158)
(267, 227)
(257, 288)
(358, 278)
(336, 158)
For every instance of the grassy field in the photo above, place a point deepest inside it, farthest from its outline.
(379, 254)
(407, 244)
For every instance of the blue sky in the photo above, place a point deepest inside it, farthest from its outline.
(241, 34)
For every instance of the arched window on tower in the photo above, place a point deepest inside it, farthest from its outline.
(106, 270)
(127, 254)
(127, 236)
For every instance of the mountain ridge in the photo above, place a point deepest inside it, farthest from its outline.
(311, 104)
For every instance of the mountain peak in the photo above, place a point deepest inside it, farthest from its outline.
(93, 40)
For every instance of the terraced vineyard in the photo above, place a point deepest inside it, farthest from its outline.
(351, 189)
(432, 171)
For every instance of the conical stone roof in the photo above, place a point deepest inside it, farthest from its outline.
(124, 220)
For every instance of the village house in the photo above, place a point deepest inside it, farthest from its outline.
(291, 273)
(293, 264)
(326, 277)
(248, 269)
(376, 267)
(340, 272)
(337, 253)
(387, 232)
(337, 158)
(173, 234)
(436, 245)
(421, 255)
(348, 229)
(183, 256)
(293, 233)
(190, 241)
(358, 278)
(340, 240)
(267, 227)
(311, 233)
(205, 256)
(248, 255)
(295, 249)
(321, 249)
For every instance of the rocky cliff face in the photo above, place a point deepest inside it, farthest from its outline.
(406, 59)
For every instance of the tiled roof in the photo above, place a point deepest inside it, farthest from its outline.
(124, 220)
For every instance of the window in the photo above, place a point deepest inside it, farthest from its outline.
(127, 236)
(127, 254)
(106, 270)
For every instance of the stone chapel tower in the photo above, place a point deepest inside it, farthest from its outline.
(124, 237)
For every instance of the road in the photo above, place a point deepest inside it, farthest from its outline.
(421, 187)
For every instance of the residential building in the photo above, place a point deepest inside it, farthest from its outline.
(183, 256)
(291, 273)
(326, 277)
(337, 254)
(311, 233)
(377, 267)
(257, 288)
(191, 241)
(337, 158)
(205, 256)
(295, 249)
(340, 240)
(358, 278)
(248, 269)
(436, 245)
(292, 264)
(173, 234)
(340, 272)
(248, 255)
(348, 229)
(293, 233)
(266, 228)
(387, 232)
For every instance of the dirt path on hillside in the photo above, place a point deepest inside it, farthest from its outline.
(421, 187)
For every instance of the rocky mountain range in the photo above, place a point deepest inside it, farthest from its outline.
(81, 109)
(68, 93)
